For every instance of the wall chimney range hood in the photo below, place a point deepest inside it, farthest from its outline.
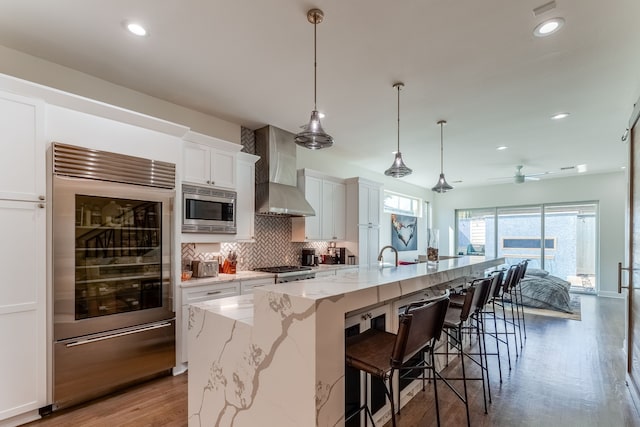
(276, 175)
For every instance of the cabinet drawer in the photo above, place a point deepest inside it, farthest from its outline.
(246, 286)
(204, 293)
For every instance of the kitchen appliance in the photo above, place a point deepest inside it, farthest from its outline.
(308, 256)
(208, 210)
(276, 175)
(341, 255)
(204, 268)
(113, 319)
(289, 273)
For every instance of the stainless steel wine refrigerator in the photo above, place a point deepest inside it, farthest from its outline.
(114, 323)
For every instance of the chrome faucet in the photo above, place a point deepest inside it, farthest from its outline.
(388, 247)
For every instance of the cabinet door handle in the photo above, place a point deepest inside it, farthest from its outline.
(40, 197)
(41, 205)
(214, 292)
(213, 183)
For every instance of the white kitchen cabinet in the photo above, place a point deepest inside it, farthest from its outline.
(22, 150)
(23, 322)
(309, 228)
(245, 187)
(363, 219)
(23, 309)
(368, 203)
(333, 210)
(195, 294)
(327, 196)
(246, 286)
(210, 161)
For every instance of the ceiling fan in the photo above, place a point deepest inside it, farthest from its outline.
(520, 178)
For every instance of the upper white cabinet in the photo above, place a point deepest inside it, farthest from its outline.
(333, 210)
(363, 219)
(368, 203)
(22, 151)
(326, 195)
(210, 161)
(245, 186)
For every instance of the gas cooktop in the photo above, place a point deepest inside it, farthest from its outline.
(283, 269)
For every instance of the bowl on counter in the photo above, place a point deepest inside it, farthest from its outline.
(186, 275)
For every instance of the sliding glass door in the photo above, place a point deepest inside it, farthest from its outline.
(560, 238)
(520, 235)
(573, 257)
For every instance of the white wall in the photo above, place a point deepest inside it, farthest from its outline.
(30, 68)
(607, 189)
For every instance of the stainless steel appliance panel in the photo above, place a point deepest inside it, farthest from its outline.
(98, 364)
(208, 210)
(147, 282)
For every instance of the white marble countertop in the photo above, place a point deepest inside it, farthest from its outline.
(354, 282)
(222, 278)
(250, 274)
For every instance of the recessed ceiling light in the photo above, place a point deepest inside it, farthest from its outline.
(548, 27)
(559, 116)
(623, 167)
(501, 148)
(136, 29)
(581, 168)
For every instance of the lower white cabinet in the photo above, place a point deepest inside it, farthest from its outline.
(195, 294)
(23, 388)
(246, 286)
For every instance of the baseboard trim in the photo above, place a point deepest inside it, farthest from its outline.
(609, 294)
(634, 392)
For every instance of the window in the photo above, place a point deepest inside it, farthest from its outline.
(401, 204)
(560, 238)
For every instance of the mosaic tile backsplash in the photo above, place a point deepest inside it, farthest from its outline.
(272, 247)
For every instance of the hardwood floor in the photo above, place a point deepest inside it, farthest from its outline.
(570, 373)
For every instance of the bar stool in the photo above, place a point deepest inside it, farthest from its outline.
(456, 322)
(380, 353)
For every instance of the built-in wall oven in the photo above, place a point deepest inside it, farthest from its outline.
(113, 311)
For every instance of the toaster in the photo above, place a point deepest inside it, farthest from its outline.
(204, 268)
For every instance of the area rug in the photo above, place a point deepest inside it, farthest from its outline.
(575, 308)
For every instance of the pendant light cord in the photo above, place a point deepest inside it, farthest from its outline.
(315, 62)
(398, 118)
(441, 149)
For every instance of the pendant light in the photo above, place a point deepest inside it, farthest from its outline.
(441, 186)
(398, 169)
(313, 136)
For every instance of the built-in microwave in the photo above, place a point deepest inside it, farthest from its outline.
(208, 210)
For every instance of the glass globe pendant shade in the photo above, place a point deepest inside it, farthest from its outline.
(313, 136)
(398, 169)
(442, 186)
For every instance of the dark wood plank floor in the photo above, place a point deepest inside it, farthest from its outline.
(570, 373)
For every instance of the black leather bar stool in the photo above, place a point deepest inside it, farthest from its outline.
(457, 321)
(380, 353)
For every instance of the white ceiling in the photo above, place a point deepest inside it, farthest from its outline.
(473, 63)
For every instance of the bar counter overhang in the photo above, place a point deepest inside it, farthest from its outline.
(277, 357)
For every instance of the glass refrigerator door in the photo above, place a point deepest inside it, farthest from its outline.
(118, 255)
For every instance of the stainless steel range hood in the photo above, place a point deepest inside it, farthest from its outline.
(276, 175)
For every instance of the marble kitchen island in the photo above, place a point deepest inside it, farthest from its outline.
(276, 358)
